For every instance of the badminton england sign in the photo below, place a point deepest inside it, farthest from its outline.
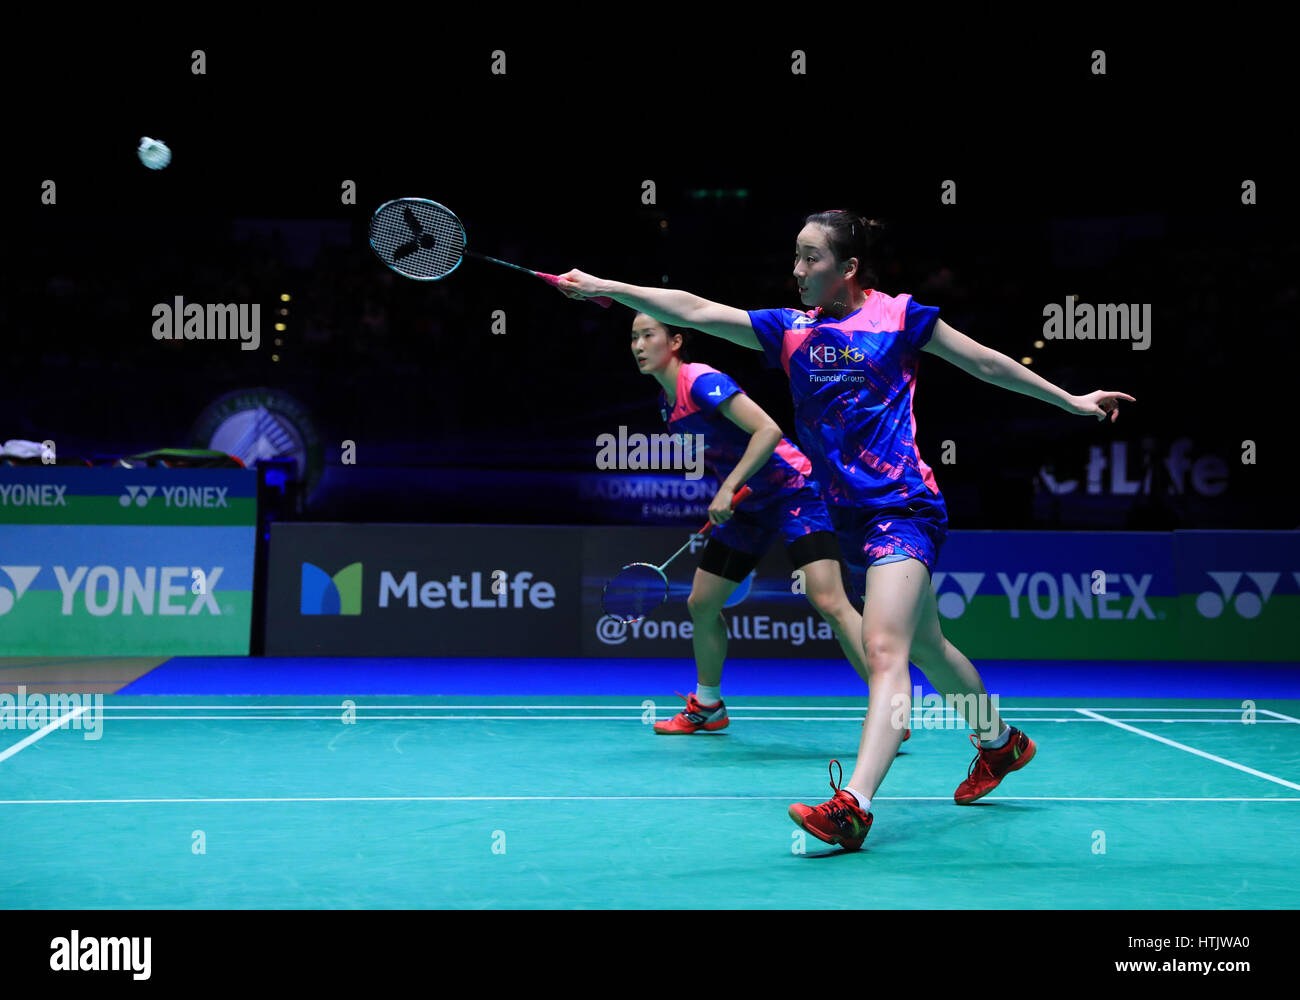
(126, 562)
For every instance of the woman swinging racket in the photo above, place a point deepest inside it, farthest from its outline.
(852, 360)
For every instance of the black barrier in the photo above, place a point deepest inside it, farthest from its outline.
(472, 590)
(417, 590)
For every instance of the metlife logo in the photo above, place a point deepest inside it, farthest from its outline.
(422, 590)
(343, 592)
(477, 589)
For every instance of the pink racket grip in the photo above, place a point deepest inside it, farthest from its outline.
(554, 282)
(740, 496)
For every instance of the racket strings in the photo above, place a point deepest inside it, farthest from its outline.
(635, 592)
(422, 240)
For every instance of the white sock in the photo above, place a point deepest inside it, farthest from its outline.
(864, 803)
(1000, 742)
(708, 695)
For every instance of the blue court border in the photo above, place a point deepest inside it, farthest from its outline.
(491, 677)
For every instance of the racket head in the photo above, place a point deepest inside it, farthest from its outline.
(417, 238)
(635, 591)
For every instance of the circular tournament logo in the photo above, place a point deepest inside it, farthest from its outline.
(253, 424)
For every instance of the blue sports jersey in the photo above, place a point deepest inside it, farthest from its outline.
(700, 391)
(853, 381)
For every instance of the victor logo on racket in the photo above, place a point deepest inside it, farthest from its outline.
(424, 240)
(639, 588)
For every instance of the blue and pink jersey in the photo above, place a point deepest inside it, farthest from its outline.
(852, 381)
(700, 391)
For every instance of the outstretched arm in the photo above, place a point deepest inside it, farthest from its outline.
(667, 305)
(997, 369)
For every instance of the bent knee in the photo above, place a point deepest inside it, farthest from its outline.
(885, 652)
(829, 605)
(704, 608)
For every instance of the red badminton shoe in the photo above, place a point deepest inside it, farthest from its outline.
(694, 717)
(989, 767)
(837, 821)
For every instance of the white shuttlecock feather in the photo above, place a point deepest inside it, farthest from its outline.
(154, 154)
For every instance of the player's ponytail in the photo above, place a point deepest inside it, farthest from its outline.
(851, 234)
(676, 331)
(686, 335)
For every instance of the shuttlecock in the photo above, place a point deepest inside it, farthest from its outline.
(154, 154)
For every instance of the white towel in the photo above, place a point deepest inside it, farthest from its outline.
(26, 449)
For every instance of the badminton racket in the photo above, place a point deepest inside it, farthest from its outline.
(423, 240)
(639, 588)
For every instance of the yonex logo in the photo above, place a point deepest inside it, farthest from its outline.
(108, 590)
(1246, 604)
(141, 495)
(1046, 594)
(951, 604)
(21, 577)
(177, 496)
(31, 495)
(323, 594)
(717, 391)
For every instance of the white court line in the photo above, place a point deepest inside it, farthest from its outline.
(44, 731)
(613, 708)
(1199, 753)
(1287, 718)
(609, 798)
(918, 722)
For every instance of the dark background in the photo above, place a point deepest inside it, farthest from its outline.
(1124, 188)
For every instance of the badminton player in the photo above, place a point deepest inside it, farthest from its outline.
(742, 446)
(851, 356)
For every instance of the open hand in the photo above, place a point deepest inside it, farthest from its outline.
(1101, 404)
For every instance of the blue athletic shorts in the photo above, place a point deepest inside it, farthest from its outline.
(869, 537)
(800, 521)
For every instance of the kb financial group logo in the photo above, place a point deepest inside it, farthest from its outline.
(833, 363)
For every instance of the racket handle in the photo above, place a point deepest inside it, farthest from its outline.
(553, 280)
(739, 497)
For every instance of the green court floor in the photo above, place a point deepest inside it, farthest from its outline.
(545, 803)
